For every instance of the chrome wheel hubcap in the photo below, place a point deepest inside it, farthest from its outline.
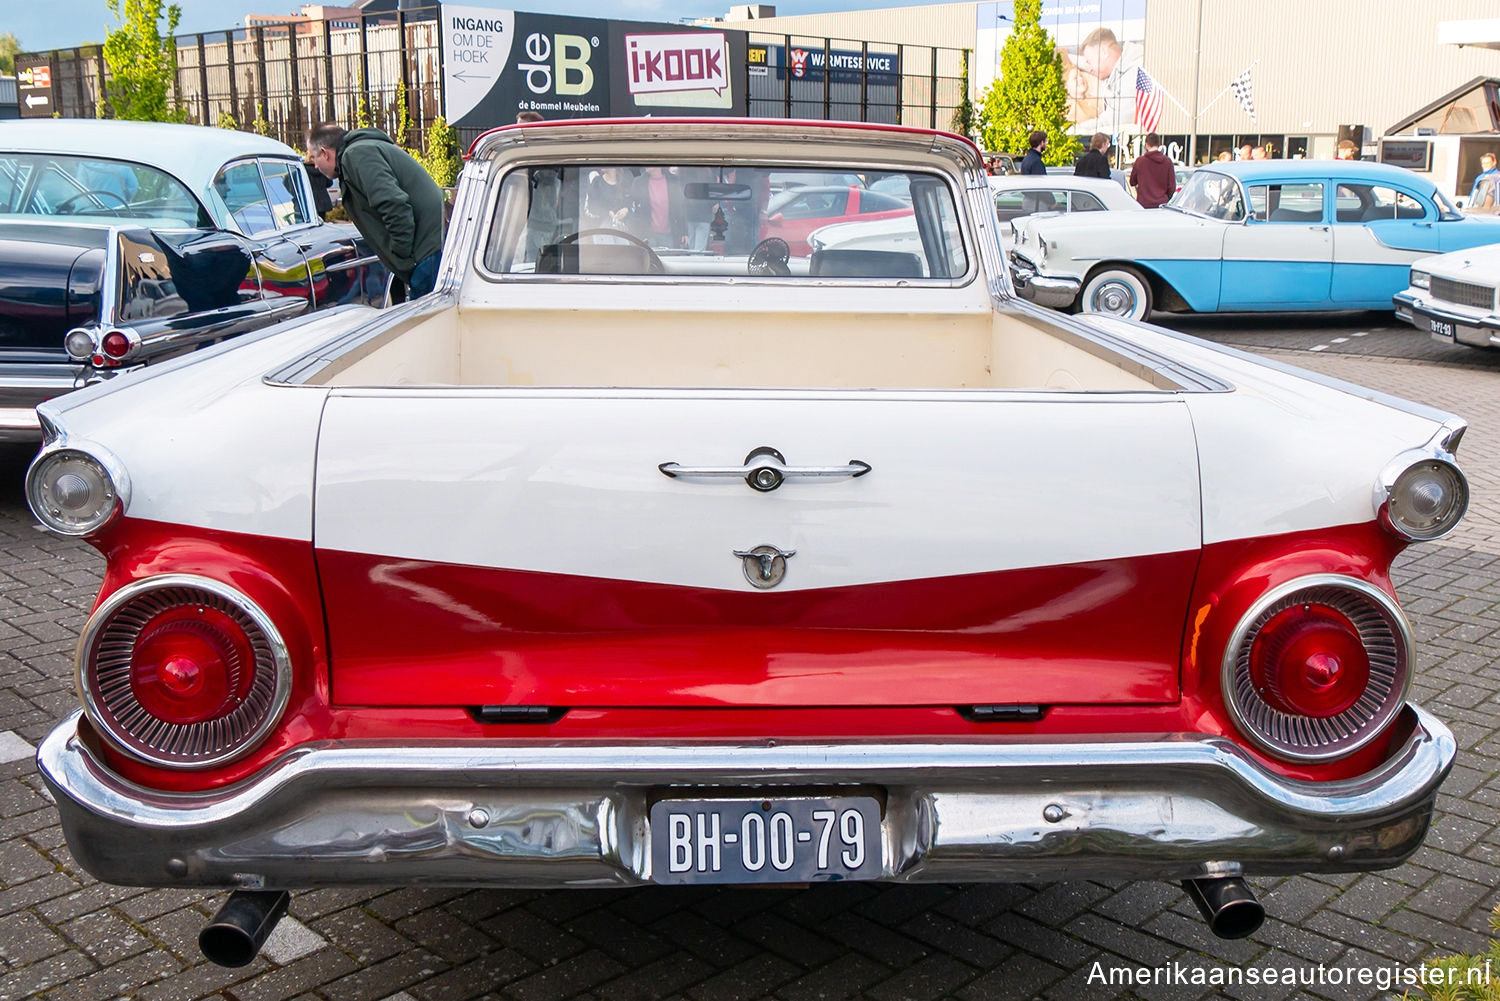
(1114, 297)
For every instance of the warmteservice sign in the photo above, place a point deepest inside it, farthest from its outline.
(497, 63)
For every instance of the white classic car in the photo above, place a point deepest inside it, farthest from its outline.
(1257, 235)
(617, 562)
(1021, 195)
(1453, 297)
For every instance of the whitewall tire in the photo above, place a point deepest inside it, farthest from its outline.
(1117, 291)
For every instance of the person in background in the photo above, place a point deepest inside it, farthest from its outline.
(1224, 157)
(393, 202)
(1346, 150)
(1031, 163)
(322, 199)
(1245, 151)
(1488, 170)
(1258, 153)
(1153, 175)
(662, 206)
(1095, 163)
(546, 194)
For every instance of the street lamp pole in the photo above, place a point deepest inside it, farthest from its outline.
(1197, 68)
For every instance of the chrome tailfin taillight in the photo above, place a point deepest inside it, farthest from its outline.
(1318, 667)
(183, 671)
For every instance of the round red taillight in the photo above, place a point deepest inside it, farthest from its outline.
(115, 344)
(189, 665)
(183, 671)
(1317, 667)
(1308, 660)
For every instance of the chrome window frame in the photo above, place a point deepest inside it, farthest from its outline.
(496, 185)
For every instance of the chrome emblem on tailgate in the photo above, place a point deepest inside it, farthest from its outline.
(765, 566)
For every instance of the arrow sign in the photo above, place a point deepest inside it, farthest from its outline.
(32, 100)
(466, 76)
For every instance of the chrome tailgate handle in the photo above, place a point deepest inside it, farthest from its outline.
(765, 469)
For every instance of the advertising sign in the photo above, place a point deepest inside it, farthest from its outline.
(34, 86)
(1102, 43)
(848, 66)
(497, 63)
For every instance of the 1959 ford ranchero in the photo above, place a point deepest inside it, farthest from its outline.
(670, 555)
(1284, 235)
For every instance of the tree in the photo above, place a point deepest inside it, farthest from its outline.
(9, 46)
(441, 159)
(402, 131)
(963, 116)
(1029, 94)
(142, 64)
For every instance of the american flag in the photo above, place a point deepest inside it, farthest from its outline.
(1147, 101)
(1243, 93)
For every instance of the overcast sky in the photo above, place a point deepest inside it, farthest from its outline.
(56, 24)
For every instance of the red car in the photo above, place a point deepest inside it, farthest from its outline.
(796, 212)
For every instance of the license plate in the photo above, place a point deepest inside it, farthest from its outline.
(1440, 328)
(792, 840)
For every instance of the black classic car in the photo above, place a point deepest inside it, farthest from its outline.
(123, 243)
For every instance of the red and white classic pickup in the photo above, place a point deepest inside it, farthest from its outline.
(656, 546)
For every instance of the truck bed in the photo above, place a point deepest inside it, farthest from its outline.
(595, 348)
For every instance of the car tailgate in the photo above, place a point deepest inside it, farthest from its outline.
(524, 547)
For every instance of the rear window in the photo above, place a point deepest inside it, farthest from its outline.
(48, 184)
(684, 219)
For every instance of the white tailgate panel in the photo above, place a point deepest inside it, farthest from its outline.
(571, 486)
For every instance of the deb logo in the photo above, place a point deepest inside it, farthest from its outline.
(563, 57)
(689, 61)
(799, 62)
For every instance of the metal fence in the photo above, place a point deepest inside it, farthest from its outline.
(281, 79)
(838, 79)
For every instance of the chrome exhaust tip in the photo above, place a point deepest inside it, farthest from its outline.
(1228, 905)
(235, 935)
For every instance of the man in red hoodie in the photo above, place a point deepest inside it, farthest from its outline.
(1153, 175)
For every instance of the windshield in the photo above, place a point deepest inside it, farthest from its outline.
(732, 221)
(1209, 193)
(44, 184)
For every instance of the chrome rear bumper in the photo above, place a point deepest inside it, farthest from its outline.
(23, 386)
(544, 814)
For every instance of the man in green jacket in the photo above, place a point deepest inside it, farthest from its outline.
(394, 202)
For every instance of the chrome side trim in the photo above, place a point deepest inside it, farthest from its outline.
(577, 813)
(279, 653)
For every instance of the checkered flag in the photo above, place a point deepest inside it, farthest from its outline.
(1243, 92)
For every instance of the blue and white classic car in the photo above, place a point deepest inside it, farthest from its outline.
(1264, 235)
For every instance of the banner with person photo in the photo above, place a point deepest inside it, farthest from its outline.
(1102, 44)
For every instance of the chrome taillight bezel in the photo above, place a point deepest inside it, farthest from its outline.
(1387, 639)
(116, 714)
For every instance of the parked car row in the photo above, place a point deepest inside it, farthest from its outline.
(1292, 235)
(126, 243)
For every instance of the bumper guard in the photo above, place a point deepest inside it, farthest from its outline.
(549, 814)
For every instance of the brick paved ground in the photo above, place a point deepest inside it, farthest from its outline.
(68, 938)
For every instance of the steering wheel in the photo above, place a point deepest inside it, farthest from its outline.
(654, 263)
(62, 206)
(769, 257)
